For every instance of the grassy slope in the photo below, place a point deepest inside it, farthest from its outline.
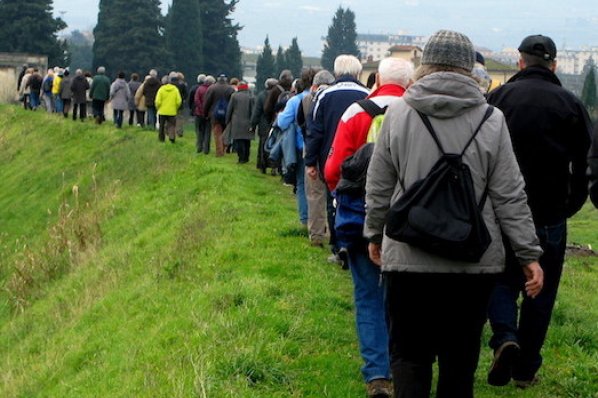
(203, 283)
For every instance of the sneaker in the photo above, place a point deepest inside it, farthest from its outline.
(379, 388)
(502, 366)
(343, 255)
(523, 384)
(334, 259)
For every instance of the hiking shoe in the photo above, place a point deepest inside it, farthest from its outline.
(502, 366)
(343, 255)
(523, 384)
(334, 259)
(379, 388)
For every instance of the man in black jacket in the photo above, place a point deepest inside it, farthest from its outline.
(550, 132)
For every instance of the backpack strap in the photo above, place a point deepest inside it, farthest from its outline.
(488, 113)
(428, 125)
(371, 107)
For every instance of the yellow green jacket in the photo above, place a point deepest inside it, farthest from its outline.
(168, 100)
(56, 84)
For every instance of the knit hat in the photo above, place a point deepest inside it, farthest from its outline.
(448, 48)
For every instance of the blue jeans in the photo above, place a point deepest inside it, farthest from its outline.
(151, 117)
(58, 104)
(34, 100)
(118, 115)
(301, 198)
(370, 311)
(535, 314)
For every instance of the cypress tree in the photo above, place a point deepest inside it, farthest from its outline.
(281, 61)
(341, 38)
(184, 37)
(221, 50)
(29, 26)
(294, 59)
(129, 37)
(588, 93)
(265, 67)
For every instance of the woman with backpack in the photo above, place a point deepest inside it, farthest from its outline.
(436, 300)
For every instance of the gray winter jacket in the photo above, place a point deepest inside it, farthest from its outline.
(406, 149)
(120, 95)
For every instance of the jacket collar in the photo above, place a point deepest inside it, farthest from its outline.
(347, 78)
(536, 72)
(388, 89)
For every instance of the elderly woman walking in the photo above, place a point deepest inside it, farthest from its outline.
(119, 98)
(437, 305)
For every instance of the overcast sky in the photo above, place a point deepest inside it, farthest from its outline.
(572, 24)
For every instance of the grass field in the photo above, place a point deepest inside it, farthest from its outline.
(131, 268)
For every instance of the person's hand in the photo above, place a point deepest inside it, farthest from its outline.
(312, 172)
(374, 249)
(535, 279)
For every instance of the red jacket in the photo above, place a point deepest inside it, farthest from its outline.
(352, 131)
(198, 99)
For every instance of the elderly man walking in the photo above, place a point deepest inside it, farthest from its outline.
(329, 106)
(550, 130)
(393, 77)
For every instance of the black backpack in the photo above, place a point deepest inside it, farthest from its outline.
(439, 213)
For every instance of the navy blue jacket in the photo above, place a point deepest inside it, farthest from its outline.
(327, 111)
(550, 131)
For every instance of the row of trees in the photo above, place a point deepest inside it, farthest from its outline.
(270, 66)
(133, 36)
(195, 36)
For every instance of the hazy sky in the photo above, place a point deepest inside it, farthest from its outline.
(572, 24)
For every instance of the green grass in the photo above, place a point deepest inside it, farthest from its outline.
(198, 280)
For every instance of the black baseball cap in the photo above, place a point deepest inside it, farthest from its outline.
(541, 46)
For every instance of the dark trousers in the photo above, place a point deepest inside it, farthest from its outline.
(243, 147)
(140, 117)
(530, 331)
(167, 126)
(118, 117)
(435, 316)
(203, 134)
(82, 109)
(331, 215)
(98, 110)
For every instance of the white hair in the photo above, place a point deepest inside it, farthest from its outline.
(396, 70)
(153, 73)
(347, 65)
(101, 70)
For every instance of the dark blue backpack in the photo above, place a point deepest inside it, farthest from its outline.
(220, 110)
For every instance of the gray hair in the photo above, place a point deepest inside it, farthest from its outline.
(347, 65)
(270, 82)
(210, 79)
(101, 70)
(153, 73)
(201, 78)
(79, 72)
(323, 77)
(396, 70)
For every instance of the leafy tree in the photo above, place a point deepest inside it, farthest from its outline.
(265, 66)
(588, 93)
(221, 50)
(129, 37)
(281, 61)
(80, 49)
(184, 37)
(341, 38)
(294, 59)
(30, 27)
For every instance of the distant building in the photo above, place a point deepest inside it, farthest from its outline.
(408, 53)
(572, 62)
(374, 47)
(11, 65)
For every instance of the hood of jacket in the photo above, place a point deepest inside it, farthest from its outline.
(444, 95)
(169, 88)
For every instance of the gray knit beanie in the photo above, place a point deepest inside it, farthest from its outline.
(448, 48)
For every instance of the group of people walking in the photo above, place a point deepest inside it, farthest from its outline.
(353, 155)
(527, 146)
